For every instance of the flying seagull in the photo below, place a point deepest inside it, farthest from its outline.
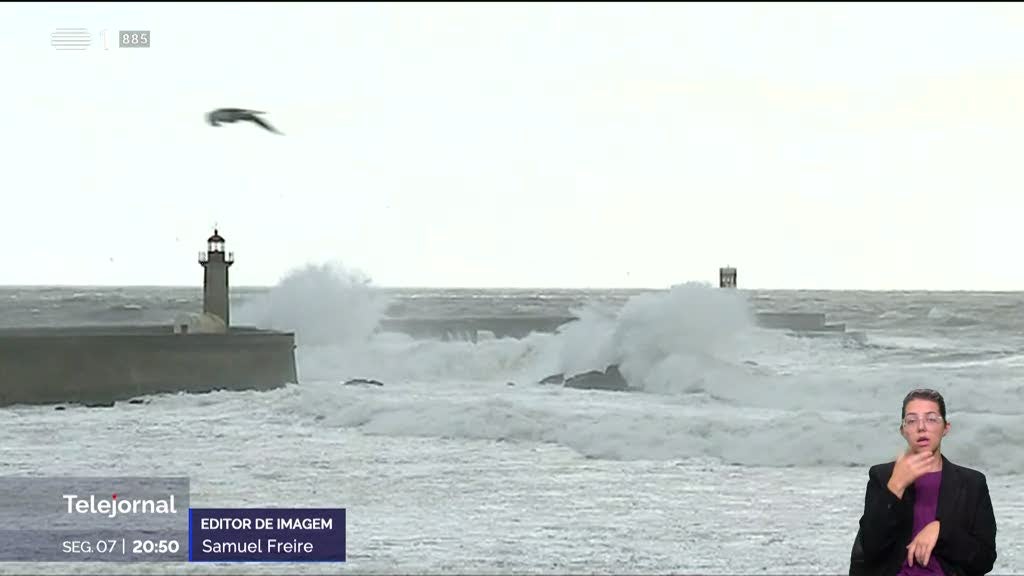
(229, 115)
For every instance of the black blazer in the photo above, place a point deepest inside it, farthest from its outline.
(967, 525)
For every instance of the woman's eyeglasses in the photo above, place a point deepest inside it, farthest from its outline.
(931, 420)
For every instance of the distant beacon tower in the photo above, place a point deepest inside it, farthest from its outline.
(727, 277)
(215, 278)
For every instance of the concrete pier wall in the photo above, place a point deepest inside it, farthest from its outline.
(468, 328)
(453, 328)
(106, 364)
(791, 320)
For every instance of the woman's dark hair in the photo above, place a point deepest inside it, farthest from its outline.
(924, 394)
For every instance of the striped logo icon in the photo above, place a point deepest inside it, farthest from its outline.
(70, 39)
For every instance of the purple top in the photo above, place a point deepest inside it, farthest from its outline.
(926, 501)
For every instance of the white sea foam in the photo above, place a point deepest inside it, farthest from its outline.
(322, 303)
(712, 384)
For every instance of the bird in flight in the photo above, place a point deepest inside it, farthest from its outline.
(229, 115)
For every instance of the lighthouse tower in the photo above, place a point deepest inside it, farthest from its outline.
(727, 277)
(215, 264)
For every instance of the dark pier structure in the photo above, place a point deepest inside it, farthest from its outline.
(475, 328)
(99, 365)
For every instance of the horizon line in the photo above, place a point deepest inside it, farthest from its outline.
(526, 288)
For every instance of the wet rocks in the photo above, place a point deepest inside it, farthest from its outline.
(610, 379)
(363, 382)
(554, 379)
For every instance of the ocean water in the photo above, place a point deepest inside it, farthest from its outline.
(745, 452)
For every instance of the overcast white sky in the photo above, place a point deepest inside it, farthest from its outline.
(811, 146)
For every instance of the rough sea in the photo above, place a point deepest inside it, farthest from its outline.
(746, 452)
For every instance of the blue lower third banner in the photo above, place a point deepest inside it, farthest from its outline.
(93, 519)
(266, 534)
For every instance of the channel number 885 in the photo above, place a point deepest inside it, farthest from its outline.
(135, 39)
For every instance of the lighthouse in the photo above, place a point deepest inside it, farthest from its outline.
(215, 264)
(727, 277)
